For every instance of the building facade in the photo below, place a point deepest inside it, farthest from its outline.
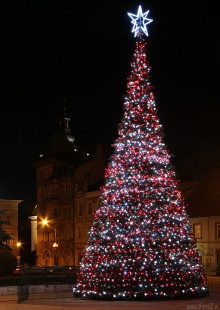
(62, 203)
(9, 218)
(63, 176)
(206, 231)
(68, 192)
(86, 205)
(72, 215)
(203, 206)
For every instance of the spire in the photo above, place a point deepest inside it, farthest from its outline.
(65, 123)
(65, 120)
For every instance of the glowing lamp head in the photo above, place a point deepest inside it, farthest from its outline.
(18, 244)
(44, 221)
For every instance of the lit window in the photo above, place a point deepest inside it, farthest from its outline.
(8, 242)
(217, 230)
(198, 231)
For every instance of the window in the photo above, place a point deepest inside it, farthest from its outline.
(197, 231)
(46, 255)
(54, 214)
(39, 194)
(80, 210)
(64, 214)
(79, 257)
(67, 234)
(56, 191)
(8, 242)
(64, 190)
(217, 230)
(46, 236)
(8, 220)
(69, 215)
(79, 233)
(48, 193)
(90, 208)
(68, 190)
(218, 258)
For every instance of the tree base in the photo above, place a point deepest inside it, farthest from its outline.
(142, 297)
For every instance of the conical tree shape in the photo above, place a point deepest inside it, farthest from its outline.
(140, 245)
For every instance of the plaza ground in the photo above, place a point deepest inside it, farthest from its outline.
(59, 300)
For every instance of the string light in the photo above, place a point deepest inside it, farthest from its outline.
(140, 246)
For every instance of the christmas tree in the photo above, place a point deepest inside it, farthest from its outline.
(140, 245)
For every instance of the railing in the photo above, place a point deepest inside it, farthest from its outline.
(49, 275)
(22, 288)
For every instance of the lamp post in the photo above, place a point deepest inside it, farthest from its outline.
(45, 222)
(19, 254)
(55, 247)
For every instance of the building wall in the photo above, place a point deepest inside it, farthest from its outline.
(65, 199)
(86, 205)
(55, 197)
(207, 237)
(9, 215)
(59, 186)
(91, 171)
(207, 233)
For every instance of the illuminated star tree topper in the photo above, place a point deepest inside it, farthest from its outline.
(140, 22)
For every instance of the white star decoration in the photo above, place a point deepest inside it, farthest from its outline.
(140, 21)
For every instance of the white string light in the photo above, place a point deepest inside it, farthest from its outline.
(140, 21)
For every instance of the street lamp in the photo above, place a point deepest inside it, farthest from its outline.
(45, 222)
(55, 247)
(19, 255)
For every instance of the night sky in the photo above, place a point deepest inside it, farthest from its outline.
(81, 51)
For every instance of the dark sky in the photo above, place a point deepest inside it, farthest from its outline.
(81, 51)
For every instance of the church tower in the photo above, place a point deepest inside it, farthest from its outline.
(65, 126)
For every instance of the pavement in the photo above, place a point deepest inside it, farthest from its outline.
(58, 303)
(64, 299)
